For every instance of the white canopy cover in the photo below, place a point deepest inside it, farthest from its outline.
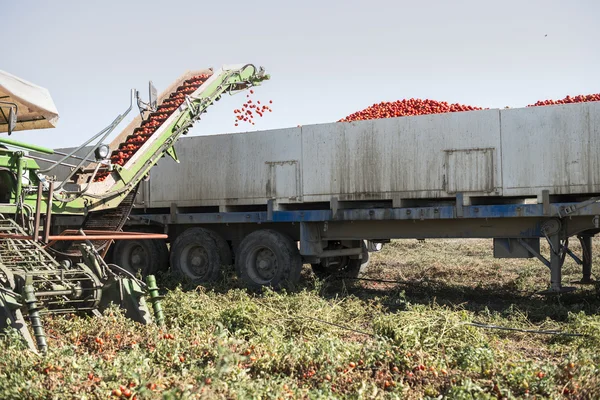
(36, 110)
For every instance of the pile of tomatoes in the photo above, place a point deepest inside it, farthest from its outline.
(567, 100)
(406, 107)
(411, 107)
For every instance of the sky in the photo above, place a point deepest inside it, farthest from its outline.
(327, 59)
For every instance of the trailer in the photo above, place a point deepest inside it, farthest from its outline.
(328, 194)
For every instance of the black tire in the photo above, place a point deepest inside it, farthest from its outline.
(268, 258)
(322, 272)
(163, 253)
(223, 247)
(356, 267)
(195, 255)
(138, 255)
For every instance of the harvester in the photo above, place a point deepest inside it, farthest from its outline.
(65, 272)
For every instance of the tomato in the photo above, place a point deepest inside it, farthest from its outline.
(541, 375)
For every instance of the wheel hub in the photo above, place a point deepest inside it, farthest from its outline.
(266, 264)
(137, 256)
(196, 261)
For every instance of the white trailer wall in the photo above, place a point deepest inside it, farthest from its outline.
(512, 152)
(237, 169)
(554, 147)
(428, 156)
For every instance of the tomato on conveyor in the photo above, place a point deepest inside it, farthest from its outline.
(150, 125)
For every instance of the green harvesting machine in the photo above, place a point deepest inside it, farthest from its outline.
(42, 273)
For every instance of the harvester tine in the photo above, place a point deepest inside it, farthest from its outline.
(10, 309)
(20, 325)
(11, 316)
(34, 318)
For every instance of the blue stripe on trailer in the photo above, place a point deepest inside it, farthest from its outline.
(380, 214)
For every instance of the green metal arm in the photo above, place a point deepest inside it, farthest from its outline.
(26, 146)
(224, 80)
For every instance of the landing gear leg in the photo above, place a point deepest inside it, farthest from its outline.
(552, 231)
(556, 263)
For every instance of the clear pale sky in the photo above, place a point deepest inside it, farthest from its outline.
(327, 58)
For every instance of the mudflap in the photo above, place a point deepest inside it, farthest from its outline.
(129, 295)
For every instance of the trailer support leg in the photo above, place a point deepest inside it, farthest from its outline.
(556, 263)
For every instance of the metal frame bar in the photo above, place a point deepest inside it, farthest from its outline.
(11, 104)
(64, 238)
(105, 132)
(48, 212)
(535, 253)
(60, 153)
(38, 210)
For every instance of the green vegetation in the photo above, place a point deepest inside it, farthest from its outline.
(336, 338)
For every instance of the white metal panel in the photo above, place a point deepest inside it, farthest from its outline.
(229, 169)
(396, 157)
(283, 180)
(552, 147)
(470, 171)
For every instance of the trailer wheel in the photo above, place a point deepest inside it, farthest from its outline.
(138, 255)
(268, 258)
(163, 254)
(345, 266)
(331, 266)
(356, 267)
(195, 255)
(222, 246)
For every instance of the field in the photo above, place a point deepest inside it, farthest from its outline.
(421, 328)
